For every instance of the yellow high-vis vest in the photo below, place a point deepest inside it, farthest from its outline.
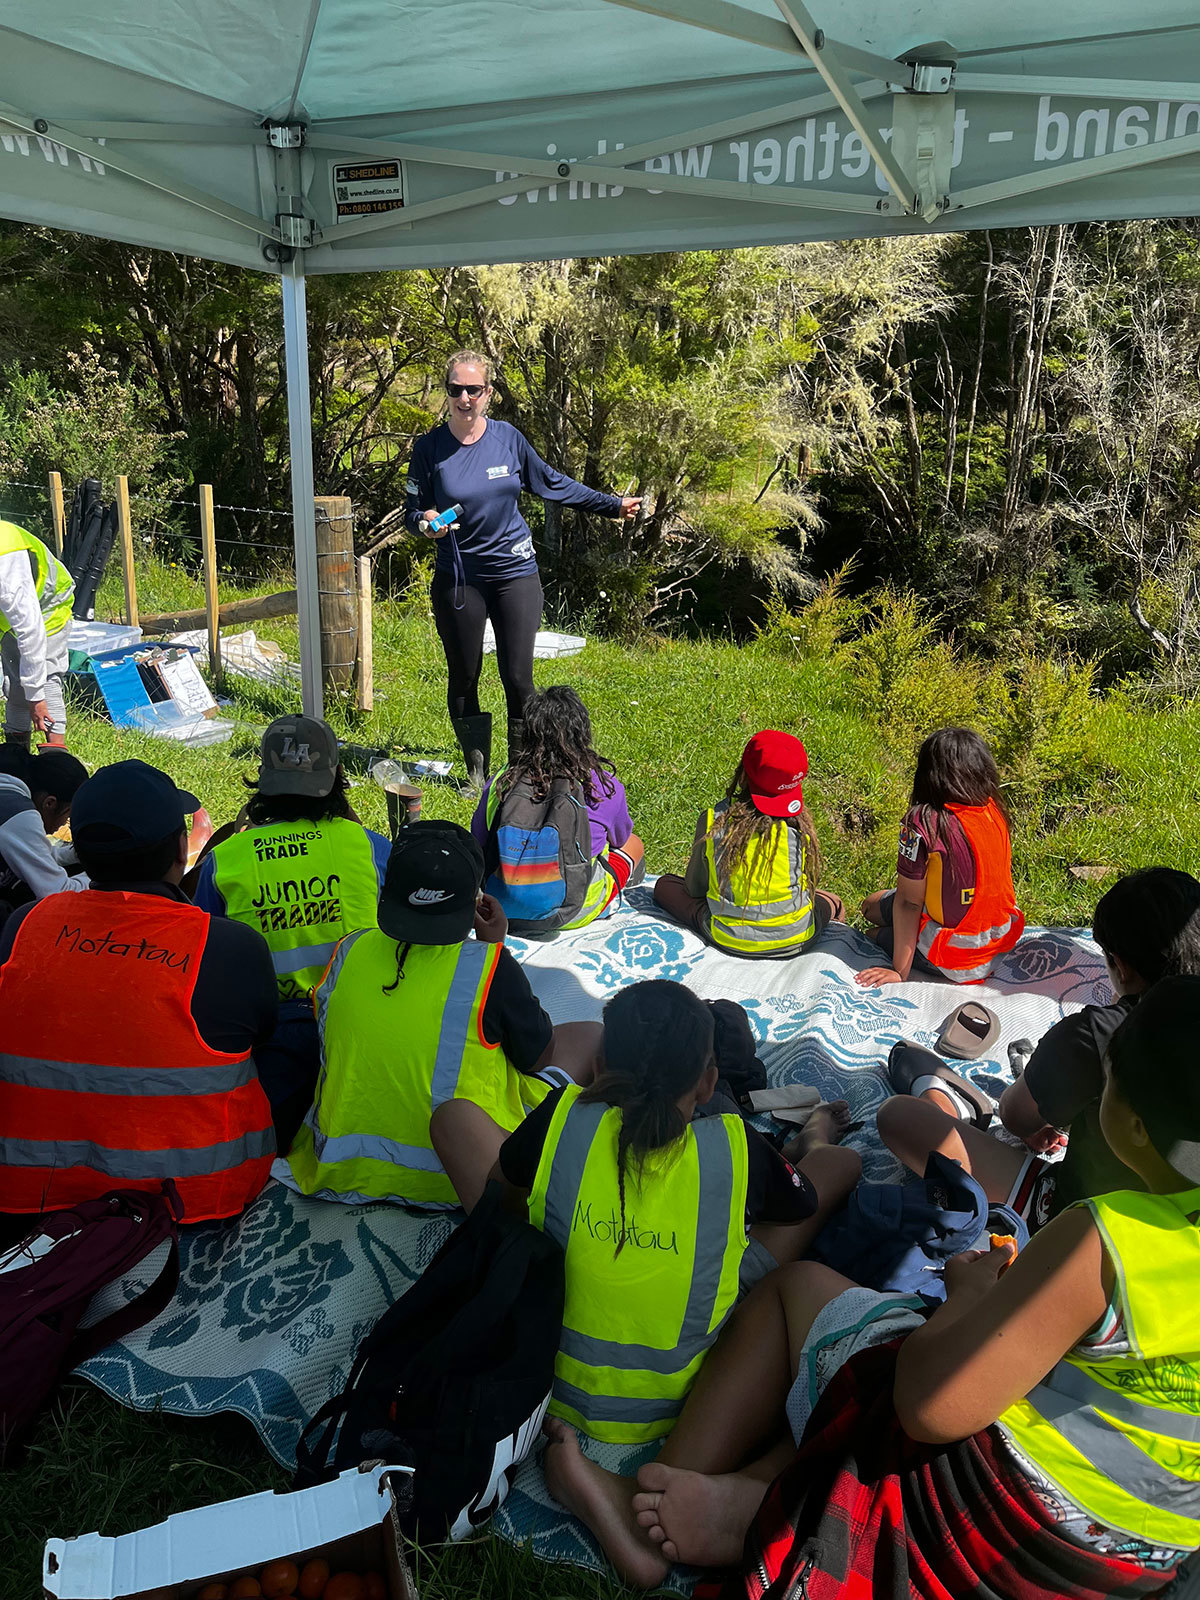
(391, 1053)
(1120, 1436)
(764, 905)
(637, 1326)
(304, 886)
(54, 584)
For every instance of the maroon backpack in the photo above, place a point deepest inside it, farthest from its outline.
(48, 1280)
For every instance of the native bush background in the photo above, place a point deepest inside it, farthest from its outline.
(1006, 425)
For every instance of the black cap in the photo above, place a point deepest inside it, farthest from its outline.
(128, 806)
(433, 876)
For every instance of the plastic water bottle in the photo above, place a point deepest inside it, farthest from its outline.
(443, 520)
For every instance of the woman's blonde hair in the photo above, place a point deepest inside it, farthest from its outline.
(469, 358)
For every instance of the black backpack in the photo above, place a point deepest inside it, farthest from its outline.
(454, 1379)
(538, 856)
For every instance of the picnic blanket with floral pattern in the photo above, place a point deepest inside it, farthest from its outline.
(270, 1309)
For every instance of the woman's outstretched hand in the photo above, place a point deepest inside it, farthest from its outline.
(631, 504)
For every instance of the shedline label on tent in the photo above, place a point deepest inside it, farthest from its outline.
(366, 188)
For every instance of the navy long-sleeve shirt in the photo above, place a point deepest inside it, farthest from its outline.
(486, 478)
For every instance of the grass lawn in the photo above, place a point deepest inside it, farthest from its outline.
(673, 716)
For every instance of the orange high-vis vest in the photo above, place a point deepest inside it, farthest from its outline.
(105, 1082)
(992, 923)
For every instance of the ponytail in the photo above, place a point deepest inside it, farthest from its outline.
(658, 1044)
(402, 949)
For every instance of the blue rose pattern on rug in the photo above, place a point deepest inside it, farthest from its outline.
(270, 1309)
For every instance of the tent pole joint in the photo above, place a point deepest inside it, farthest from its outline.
(296, 232)
(931, 77)
(285, 135)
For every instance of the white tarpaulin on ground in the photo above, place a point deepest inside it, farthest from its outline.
(313, 136)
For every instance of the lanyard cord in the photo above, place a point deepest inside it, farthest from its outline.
(459, 595)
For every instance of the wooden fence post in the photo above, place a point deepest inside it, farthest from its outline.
(57, 515)
(126, 528)
(336, 590)
(208, 549)
(366, 651)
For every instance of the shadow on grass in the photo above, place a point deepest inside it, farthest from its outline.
(94, 1466)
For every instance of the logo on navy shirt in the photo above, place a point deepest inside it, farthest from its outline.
(497, 472)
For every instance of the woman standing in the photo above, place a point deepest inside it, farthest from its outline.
(485, 563)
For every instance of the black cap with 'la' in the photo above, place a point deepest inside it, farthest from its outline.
(430, 887)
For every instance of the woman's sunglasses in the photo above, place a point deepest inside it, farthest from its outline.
(473, 389)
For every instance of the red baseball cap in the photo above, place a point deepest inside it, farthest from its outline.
(775, 764)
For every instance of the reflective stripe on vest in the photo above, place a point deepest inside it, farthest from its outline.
(389, 1059)
(303, 886)
(625, 1366)
(100, 1113)
(54, 584)
(601, 890)
(992, 923)
(1120, 1436)
(89, 1077)
(764, 904)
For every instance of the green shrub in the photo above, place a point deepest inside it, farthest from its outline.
(819, 628)
(1041, 720)
(912, 682)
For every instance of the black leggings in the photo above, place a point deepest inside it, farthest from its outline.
(515, 607)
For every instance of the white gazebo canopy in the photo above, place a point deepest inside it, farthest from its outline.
(312, 136)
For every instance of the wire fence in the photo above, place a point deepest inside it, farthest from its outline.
(253, 543)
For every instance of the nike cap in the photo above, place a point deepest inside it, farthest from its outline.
(432, 879)
(299, 756)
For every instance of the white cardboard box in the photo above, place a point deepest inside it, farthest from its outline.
(352, 1522)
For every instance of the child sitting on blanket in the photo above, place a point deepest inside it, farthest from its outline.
(1036, 1438)
(953, 911)
(1147, 927)
(663, 1218)
(556, 743)
(751, 883)
(433, 1044)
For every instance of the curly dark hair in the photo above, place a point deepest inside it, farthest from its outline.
(264, 808)
(556, 742)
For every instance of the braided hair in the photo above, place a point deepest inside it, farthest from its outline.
(658, 1044)
(742, 827)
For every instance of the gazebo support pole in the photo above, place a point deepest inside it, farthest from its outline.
(295, 345)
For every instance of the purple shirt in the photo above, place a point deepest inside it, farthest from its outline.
(609, 815)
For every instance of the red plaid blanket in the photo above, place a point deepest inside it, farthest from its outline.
(863, 1513)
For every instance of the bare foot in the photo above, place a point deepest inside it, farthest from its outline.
(603, 1502)
(826, 1124)
(699, 1520)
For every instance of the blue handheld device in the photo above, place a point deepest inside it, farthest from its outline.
(444, 519)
